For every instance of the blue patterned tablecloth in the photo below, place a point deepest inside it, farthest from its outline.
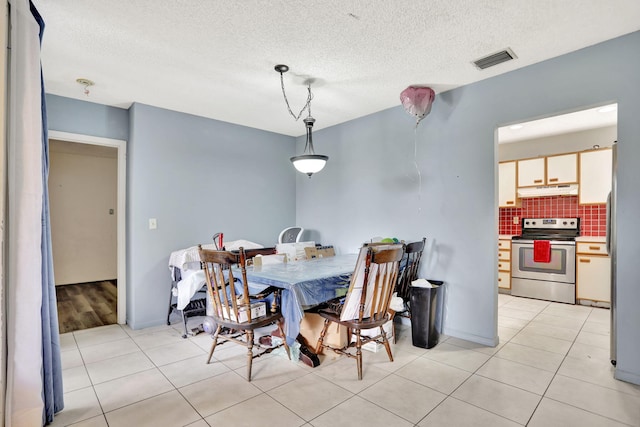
(305, 283)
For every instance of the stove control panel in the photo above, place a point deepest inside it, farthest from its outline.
(551, 223)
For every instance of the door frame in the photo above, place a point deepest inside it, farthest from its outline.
(121, 146)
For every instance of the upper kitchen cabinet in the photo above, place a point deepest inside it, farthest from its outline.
(552, 170)
(531, 172)
(595, 176)
(507, 185)
(562, 169)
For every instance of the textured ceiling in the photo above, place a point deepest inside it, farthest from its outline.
(215, 58)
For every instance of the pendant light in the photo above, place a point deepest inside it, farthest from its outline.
(309, 162)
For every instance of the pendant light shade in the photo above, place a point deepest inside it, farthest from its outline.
(309, 162)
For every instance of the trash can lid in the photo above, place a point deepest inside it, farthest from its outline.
(424, 283)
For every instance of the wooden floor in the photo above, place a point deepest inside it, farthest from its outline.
(86, 305)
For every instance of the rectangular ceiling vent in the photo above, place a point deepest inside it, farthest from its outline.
(495, 59)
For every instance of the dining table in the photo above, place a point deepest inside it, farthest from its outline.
(305, 284)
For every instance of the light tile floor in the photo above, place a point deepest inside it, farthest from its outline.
(551, 368)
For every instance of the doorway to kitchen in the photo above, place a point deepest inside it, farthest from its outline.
(556, 169)
(92, 208)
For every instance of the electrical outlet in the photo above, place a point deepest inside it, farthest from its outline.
(516, 220)
(153, 224)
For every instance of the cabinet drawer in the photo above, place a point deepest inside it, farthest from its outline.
(504, 245)
(504, 266)
(592, 248)
(504, 255)
(504, 279)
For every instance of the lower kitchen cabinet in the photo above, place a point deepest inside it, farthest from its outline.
(593, 273)
(504, 264)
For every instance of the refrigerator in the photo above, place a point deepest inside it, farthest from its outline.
(611, 249)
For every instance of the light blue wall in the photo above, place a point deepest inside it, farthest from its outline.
(197, 176)
(369, 186)
(87, 118)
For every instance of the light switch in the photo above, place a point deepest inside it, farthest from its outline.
(153, 224)
(516, 220)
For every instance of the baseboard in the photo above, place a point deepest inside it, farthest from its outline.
(489, 342)
(629, 377)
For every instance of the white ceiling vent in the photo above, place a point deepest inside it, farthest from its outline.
(495, 59)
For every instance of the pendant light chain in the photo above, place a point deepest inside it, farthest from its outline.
(307, 105)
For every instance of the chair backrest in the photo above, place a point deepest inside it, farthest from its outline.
(227, 303)
(409, 267)
(290, 235)
(373, 282)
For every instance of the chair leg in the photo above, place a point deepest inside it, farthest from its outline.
(184, 323)
(385, 341)
(249, 353)
(322, 334)
(359, 352)
(214, 343)
(284, 339)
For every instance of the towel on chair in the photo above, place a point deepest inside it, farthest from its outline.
(541, 251)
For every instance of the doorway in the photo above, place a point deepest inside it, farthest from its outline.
(581, 139)
(116, 148)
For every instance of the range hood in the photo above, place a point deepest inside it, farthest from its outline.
(549, 190)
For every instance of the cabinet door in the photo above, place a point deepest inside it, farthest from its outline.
(562, 169)
(593, 278)
(595, 176)
(531, 172)
(507, 184)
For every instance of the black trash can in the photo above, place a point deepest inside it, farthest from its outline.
(424, 312)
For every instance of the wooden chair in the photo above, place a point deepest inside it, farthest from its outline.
(232, 311)
(409, 267)
(367, 302)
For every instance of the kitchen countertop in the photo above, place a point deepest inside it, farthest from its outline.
(505, 236)
(599, 239)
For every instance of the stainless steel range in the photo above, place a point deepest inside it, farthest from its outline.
(554, 280)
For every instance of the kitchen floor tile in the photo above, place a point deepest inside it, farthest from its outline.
(320, 395)
(220, 392)
(379, 359)
(547, 330)
(344, 372)
(510, 322)
(501, 399)
(459, 357)
(435, 375)
(531, 356)
(602, 315)
(99, 421)
(358, 411)
(609, 403)
(246, 414)
(67, 342)
(516, 374)
(131, 389)
(174, 352)
(189, 371)
(118, 367)
(594, 327)
(542, 342)
(168, 409)
(596, 340)
(79, 405)
(157, 339)
(506, 311)
(588, 351)
(99, 335)
(454, 412)
(75, 378)
(596, 371)
(553, 413)
(409, 399)
(273, 372)
(98, 352)
(71, 358)
(559, 321)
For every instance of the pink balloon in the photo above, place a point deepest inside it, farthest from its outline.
(417, 101)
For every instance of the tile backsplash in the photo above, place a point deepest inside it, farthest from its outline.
(593, 218)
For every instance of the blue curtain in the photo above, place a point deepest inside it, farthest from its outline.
(51, 365)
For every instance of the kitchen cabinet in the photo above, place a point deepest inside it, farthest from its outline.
(531, 172)
(593, 273)
(562, 169)
(551, 170)
(595, 176)
(507, 185)
(504, 264)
